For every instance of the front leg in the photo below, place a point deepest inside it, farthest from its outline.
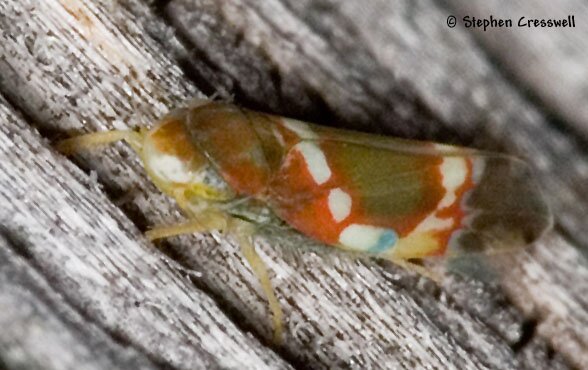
(96, 139)
(243, 232)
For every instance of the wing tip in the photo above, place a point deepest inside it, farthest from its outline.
(507, 208)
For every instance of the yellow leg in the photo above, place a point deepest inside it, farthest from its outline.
(243, 232)
(89, 141)
(208, 221)
(423, 271)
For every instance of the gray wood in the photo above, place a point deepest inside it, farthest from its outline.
(549, 62)
(74, 66)
(38, 324)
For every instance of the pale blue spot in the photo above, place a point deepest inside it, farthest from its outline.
(387, 240)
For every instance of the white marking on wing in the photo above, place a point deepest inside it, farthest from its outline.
(339, 204)
(454, 171)
(299, 128)
(432, 222)
(315, 161)
(360, 237)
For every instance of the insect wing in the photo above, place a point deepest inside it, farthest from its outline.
(369, 193)
(406, 199)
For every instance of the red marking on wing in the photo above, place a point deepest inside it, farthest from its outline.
(299, 201)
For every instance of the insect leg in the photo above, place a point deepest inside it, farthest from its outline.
(421, 270)
(243, 231)
(89, 141)
(208, 220)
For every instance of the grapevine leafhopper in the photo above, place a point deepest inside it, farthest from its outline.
(232, 169)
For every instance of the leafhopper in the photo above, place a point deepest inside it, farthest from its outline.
(233, 169)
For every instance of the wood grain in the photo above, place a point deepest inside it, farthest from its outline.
(549, 62)
(79, 66)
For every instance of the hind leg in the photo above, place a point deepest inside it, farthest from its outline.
(421, 270)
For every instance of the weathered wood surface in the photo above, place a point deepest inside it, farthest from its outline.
(100, 296)
(550, 63)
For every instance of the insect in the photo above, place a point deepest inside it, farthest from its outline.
(234, 169)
